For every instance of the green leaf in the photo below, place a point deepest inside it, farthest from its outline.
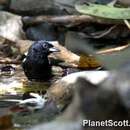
(104, 11)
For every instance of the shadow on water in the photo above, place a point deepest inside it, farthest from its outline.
(12, 88)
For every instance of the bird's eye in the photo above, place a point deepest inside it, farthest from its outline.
(45, 46)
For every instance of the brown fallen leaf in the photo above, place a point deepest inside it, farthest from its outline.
(88, 62)
(6, 122)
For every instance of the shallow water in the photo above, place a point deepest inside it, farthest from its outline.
(12, 88)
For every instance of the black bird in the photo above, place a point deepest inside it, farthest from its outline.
(36, 64)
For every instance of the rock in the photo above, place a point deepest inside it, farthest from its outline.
(31, 6)
(67, 5)
(72, 41)
(119, 84)
(108, 100)
(23, 45)
(11, 26)
(44, 31)
(125, 2)
(62, 90)
(44, 6)
(65, 55)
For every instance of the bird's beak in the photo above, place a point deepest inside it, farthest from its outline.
(53, 49)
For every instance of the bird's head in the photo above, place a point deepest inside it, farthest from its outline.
(43, 47)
